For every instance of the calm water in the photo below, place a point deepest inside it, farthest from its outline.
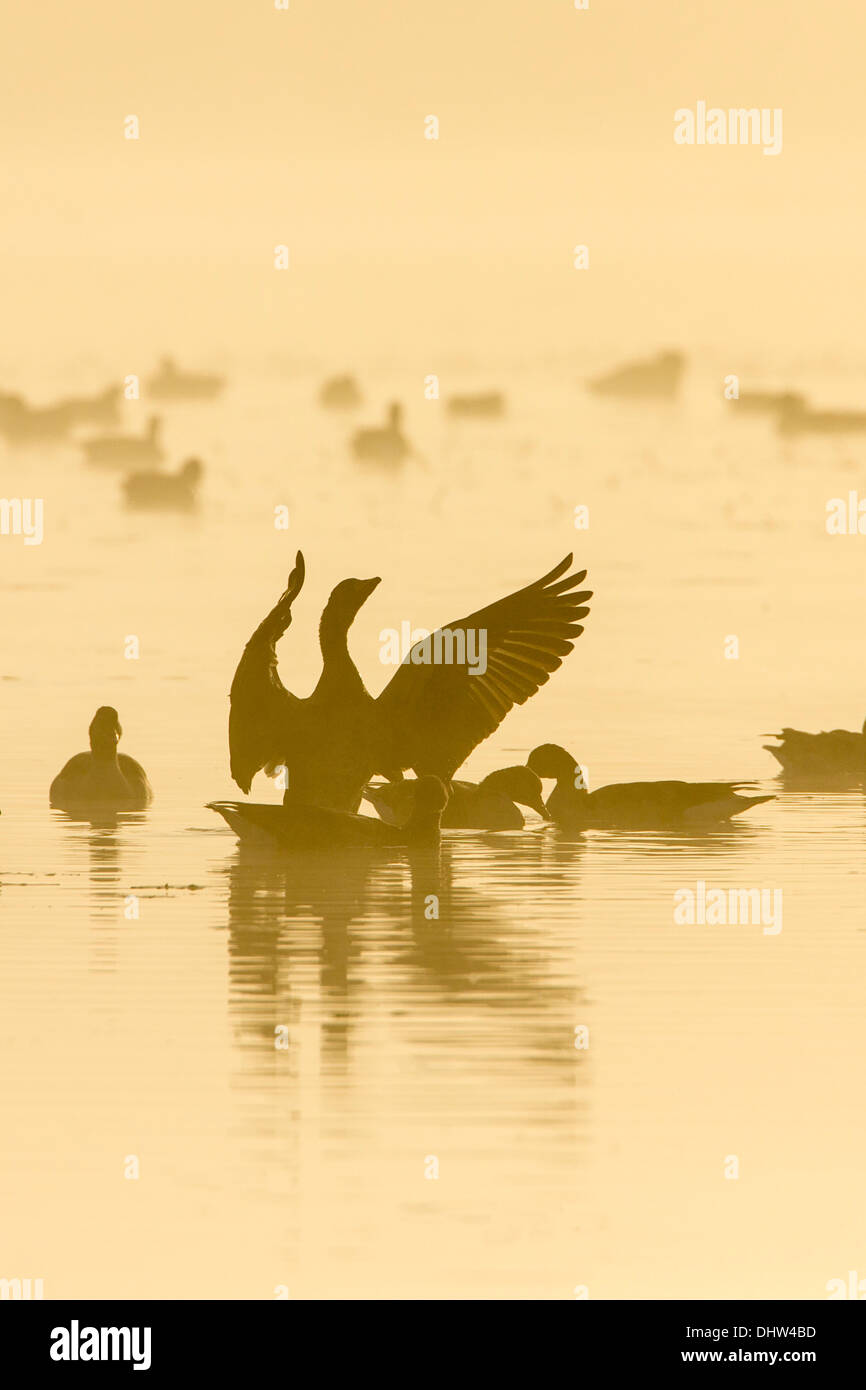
(416, 1043)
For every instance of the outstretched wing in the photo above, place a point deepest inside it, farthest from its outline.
(262, 710)
(433, 713)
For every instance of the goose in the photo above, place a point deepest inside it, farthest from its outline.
(483, 405)
(170, 383)
(796, 417)
(125, 449)
(23, 423)
(101, 409)
(340, 393)
(656, 376)
(486, 805)
(384, 445)
(769, 400)
(103, 777)
(834, 753)
(300, 826)
(165, 491)
(430, 715)
(632, 805)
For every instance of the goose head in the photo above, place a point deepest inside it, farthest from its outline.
(105, 730)
(431, 797)
(346, 601)
(519, 784)
(191, 471)
(551, 760)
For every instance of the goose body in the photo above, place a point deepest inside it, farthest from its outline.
(633, 805)
(103, 777)
(299, 826)
(796, 417)
(387, 444)
(491, 804)
(123, 450)
(834, 753)
(170, 383)
(340, 393)
(154, 491)
(769, 401)
(658, 376)
(24, 424)
(430, 715)
(484, 405)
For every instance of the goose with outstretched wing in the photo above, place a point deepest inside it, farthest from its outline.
(428, 718)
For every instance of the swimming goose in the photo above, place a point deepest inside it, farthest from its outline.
(483, 405)
(428, 718)
(103, 777)
(101, 409)
(165, 491)
(340, 393)
(23, 423)
(124, 449)
(170, 383)
(385, 445)
(655, 376)
(296, 825)
(834, 753)
(632, 805)
(796, 417)
(485, 805)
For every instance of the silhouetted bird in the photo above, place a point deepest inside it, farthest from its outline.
(429, 717)
(299, 826)
(769, 401)
(101, 409)
(385, 445)
(165, 491)
(485, 805)
(655, 376)
(340, 393)
(170, 383)
(123, 450)
(103, 777)
(484, 405)
(796, 417)
(632, 805)
(23, 424)
(835, 753)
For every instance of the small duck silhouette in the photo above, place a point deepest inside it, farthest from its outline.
(632, 805)
(340, 393)
(297, 825)
(122, 450)
(486, 805)
(103, 777)
(154, 491)
(386, 445)
(170, 383)
(654, 376)
(833, 753)
(483, 405)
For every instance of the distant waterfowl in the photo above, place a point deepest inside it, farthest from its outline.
(632, 805)
(484, 405)
(123, 450)
(101, 409)
(428, 718)
(23, 423)
(103, 777)
(769, 401)
(298, 826)
(340, 393)
(387, 444)
(487, 805)
(834, 753)
(655, 376)
(796, 417)
(171, 383)
(155, 491)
